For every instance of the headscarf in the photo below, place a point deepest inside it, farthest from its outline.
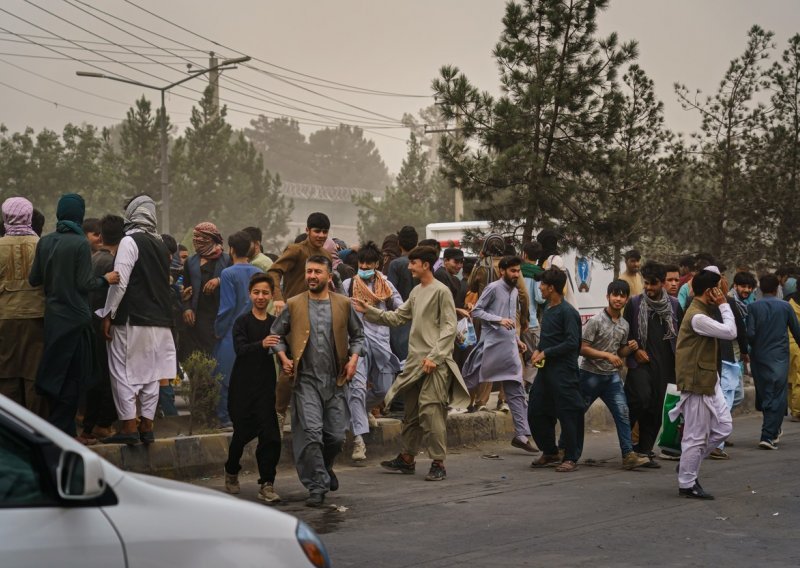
(331, 246)
(662, 307)
(790, 287)
(741, 304)
(17, 217)
(493, 245)
(380, 293)
(69, 213)
(140, 217)
(207, 240)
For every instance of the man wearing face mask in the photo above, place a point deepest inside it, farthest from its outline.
(377, 366)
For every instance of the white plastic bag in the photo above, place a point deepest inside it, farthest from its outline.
(465, 334)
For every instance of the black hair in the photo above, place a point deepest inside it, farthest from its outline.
(351, 259)
(240, 243)
(112, 227)
(407, 238)
(671, 268)
(369, 252)
(532, 250)
(170, 242)
(511, 250)
(182, 247)
(619, 287)
(744, 279)
(255, 233)
(508, 261)
(704, 280)
(633, 254)
(703, 259)
(451, 253)
(433, 243)
(783, 270)
(91, 225)
(469, 264)
(556, 278)
(320, 259)
(653, 271)
(687, 261)
(769, 284)
(260, 277)
(424, 254)
(272, 256)
(318, 221)
(300, 238)
(37, 222)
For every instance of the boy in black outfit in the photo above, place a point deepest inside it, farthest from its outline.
(251, 398)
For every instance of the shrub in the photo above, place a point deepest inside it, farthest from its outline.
(204, 387)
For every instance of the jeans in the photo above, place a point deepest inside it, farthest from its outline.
(610, 390)
(738, 396)
(166, 400)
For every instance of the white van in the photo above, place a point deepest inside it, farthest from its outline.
(588, 277)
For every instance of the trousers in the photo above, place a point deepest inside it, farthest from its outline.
(425, 414)
(363, 396)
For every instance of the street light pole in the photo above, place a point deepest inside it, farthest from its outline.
(224, 66)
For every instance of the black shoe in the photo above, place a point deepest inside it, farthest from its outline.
(334, 480)
(315, 500)
(695, 492)
(652, 464)
(398, 464)
(131, 439)
(147, 438)
(437, 472)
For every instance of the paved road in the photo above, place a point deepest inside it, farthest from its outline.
(502, 513)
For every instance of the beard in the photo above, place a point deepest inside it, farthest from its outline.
(512, 282)
(316, 286)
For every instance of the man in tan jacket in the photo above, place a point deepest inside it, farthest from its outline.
(321, 341)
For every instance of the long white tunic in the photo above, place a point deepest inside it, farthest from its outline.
(137, 354)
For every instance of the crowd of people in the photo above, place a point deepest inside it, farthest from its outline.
(96, 317)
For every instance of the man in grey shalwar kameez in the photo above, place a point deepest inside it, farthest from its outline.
(496, 356)
(324, 338)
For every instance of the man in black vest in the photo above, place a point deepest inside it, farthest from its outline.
(137, 321)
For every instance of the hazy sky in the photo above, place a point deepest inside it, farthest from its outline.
(375, 44)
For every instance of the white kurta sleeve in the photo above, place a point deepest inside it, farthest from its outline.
(127, 255)
(704, 325)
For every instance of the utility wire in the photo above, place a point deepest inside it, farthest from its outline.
(323, 116)
(365, 90)
(56, 103)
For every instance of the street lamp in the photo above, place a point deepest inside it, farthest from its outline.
(223, 66)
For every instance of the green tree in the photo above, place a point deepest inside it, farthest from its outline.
(140, 146)
(418, 196)
(341, 156)
(283, 147)
(517, 153)
(731, 120)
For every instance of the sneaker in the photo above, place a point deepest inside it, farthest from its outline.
(267, 493)
(315, 500)
(334, 483)
(232, 483)
(695, 492)
(632, 460)
(437, 472)
(399, 465)
(768, 445)
(471, 408)
(502, 407)
(225, 426)
(359, 449)
(483, 408)
(651, 462)
(664, 455)
(718, 454)
(777, 438)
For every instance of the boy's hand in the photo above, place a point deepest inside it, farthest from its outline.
(359, 305)
(641, 356)
(633, 345)
(508, 323)
(614, 360)
(278, 306)
(428, 366)
(271, 341)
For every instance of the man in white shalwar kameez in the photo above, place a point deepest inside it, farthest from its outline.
(707, 420)
(137, 322)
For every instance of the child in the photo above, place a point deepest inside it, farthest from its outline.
(251, 400)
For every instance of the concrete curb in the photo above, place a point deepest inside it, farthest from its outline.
(186, 457)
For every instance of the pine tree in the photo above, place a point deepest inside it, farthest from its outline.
(517, 153)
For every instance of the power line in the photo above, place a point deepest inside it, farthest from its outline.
(25, 42)
(46, 78)
(92, 42)
(363, 89)
(67, 58)
(324, 116)
(56, 103)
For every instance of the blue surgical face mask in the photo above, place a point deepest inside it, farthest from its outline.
(366, 274)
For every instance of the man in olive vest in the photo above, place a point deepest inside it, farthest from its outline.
(707, 420)
(321, 340)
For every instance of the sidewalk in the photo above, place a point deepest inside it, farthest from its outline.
(185, 457)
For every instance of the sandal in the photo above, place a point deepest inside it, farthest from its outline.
(567, 466)
(545, 460)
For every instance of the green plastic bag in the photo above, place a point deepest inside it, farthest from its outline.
(669, 438)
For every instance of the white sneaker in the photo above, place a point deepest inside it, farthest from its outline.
(359, 449)
(267, 493)
(281, 423)
(503, 407)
